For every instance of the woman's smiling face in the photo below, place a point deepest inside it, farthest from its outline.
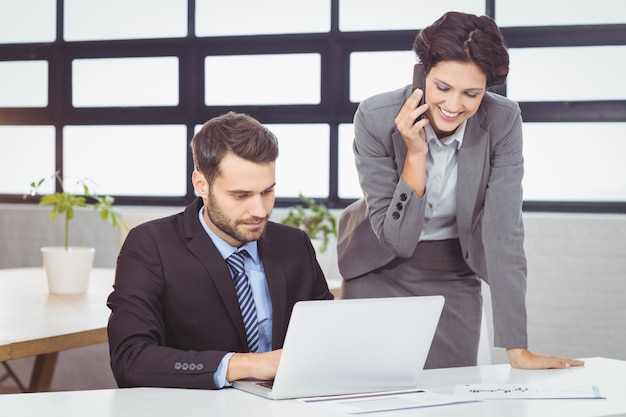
(454, 91)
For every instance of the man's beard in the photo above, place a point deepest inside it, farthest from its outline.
(229, 227)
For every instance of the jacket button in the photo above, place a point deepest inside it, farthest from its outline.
(403, 197)
(199, 366)
(178, 366)
(399, 206)
(395, 215)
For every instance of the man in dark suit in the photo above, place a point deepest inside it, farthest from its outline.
(176, 320)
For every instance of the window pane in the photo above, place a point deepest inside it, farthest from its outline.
(554, 154)
(24, 84)
(360, 15)
(575, 161)
(294, 173)
(376, 72)
(262, 79)
(348, 177)
(128, 160)
(254, 17)
(302, 165)
(26, 155)
(124, 19)
(559, 12)
(573, 73)
(19, 24)
(125, 82)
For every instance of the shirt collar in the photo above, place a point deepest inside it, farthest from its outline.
(457, 135)
(226, 249)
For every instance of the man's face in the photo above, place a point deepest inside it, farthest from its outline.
(240, 201)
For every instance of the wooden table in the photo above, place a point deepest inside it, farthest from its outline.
(34, 322)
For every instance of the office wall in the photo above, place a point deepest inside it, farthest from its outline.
(576, 295)
(577, 284)
(576, 281)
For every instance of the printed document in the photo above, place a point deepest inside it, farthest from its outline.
(382, 401)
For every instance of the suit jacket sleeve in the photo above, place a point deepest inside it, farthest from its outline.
(396, 214)
(174, 309)
(503, 230)
(489, 212)
(388, 221)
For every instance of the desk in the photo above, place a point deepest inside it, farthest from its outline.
(34, 322)
(609, 374)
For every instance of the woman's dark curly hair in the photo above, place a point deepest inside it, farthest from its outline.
(467, 38)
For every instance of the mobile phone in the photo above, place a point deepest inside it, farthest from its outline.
(419, 81)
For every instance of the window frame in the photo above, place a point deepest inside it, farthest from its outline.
(334, 108)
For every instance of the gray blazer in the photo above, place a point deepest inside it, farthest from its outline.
(388, 221)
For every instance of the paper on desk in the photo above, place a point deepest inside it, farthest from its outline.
(526, 391)
(382, 401)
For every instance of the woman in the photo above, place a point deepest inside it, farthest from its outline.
(442, 195)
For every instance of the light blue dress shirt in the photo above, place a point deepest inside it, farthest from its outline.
(441, 179)
(260, 292)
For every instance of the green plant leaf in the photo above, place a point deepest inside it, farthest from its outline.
(63, 202)
(316, 220)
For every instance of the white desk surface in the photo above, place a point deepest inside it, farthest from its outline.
(34, 322)
(30, 314)
(608, 374)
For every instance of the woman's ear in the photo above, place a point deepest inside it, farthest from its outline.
(200, 184)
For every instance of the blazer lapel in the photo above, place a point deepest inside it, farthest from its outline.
(201, 245)
(473, 156)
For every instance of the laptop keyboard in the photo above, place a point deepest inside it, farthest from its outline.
(266, 384)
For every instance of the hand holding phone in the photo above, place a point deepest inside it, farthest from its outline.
(419, 81)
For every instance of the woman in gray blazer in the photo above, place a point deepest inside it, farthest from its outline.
(442, 204)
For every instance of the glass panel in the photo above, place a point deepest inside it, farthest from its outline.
(124, 19)
(348, 177)
(125, 82)
(262, 79)
(19, 24)
(559, 12)
(26, 155)
(573, 73)
(303, 162)
(575, 161)
(254, 17)
(147, 160)
(292, 169)
(376, 72)
(364, 15)
(553, 154)
(24, 84)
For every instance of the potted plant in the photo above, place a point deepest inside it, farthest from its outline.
(316, 220)
(68, 267)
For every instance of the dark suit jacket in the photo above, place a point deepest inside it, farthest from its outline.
(174, 307)
(388, 222)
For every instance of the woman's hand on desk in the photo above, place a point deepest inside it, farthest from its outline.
(525, 359)
(253, 365)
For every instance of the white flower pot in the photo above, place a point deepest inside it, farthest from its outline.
(67, 270)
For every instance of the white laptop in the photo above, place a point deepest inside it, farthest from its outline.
(336, 347)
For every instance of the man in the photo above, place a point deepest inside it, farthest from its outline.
(176, 318)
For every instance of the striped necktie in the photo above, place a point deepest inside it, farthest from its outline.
(246, 301)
